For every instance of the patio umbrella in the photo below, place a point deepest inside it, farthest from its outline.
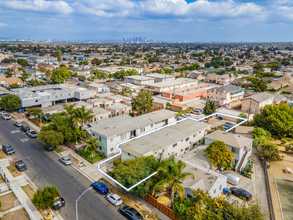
(163, 200)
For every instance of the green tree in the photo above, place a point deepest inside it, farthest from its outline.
(143, 102)
(81, 116)
(51, 137)
(45, 198)
(267, 149)
(5, 60)
(83, 63)
(92, 144)
(63, 73)
(42, 69)
(48, 75)
(179, 207)
(219, 154)
(171, 175)
(96, 62)
(153, 59)
(242, 115)
(210, 107)
(22, 62)
(14, 86)
(100, 74)
(10, 102)
(34, 111)
(69, 109)
(258, 132)
(24, 76)
(258, 68)
(274, 66)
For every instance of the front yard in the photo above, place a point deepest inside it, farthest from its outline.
(15, 172)
(86, 154)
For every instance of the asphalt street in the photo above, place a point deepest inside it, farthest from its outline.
(45, 169)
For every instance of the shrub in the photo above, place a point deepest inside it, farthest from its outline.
(116, 162)
(284, 141)
(287, 147)
(248, 169)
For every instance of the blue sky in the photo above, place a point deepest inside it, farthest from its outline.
(169, 20)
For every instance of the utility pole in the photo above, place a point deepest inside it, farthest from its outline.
(35, 70)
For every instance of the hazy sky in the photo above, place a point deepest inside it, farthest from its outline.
(170, 20)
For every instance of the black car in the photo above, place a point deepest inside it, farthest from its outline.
(240, 193)
(130, 213)
(20, 165)
(48, 147)
(8, 149)
(25, 128)
(58, 203)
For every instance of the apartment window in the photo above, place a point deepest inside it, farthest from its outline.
(156, 152)
(181, 140)
(128, 154)
(181, 150)
(101, 117)
(49, 97)
(69, 93)
(36, 100)
(174, 145)
(112, 149)
(215, 191)
(152, 125)
(111, 139)
(122, 112)
(56, 96)
(220, 187)
(235, 150)
(123, 136)
(194, 135)
(142, 130)
(199, 132)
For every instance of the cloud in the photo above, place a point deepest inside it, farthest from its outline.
(38, 5)
(3, 25)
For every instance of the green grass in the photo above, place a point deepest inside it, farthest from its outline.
(86, 154)
(59, 149)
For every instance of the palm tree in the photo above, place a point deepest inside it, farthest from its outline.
(171, 177)
(48, 74)
(81, 116)
(59, 59)
(92, 144)
(69, 109)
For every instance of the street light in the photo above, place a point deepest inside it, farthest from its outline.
(78, 199)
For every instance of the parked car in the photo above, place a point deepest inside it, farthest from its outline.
(25, 128)
(49, 117)
(100, 187)
(8, 149)
(65, 160)
(49, 147)
(32, 133)
(239, 192)
(230, 124)
(18, 124)
(58, 203)
(185, 115)
(6, 116)
(114, 199)
(231, 178)
(3, 112)
(20, 165)
(198, 112)
(130, 213)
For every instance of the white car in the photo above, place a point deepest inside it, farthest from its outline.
(65, 160)
(114, 199)
(6, 116)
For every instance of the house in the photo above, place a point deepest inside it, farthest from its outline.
(173, 140)
(139, 80)
(254, 103)
(224, 79)
(274, 86)
(289, 89)
(225, 94)
(212, 78)
(206, 180)
(288, 79)
(176, 107)
(196, 75)
(100, 114)
(10, 80)
(111, 131)
(99, 87)
(118, 109)
(240, 146)
(161, 77)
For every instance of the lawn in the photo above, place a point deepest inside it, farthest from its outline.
(29, 191)
(19, 214)
(86, 154)
(59, 149)
(7, 201)
(15, 172)
(2, 155)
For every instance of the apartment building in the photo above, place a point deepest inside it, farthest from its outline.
(240, 146)
(225, 94)
(138, 80)
(118, 108)
(174, 140)
(49, 95)
(161, 87)
(111, 131)
(161, 77)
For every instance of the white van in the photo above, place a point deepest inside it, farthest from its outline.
(231, 178)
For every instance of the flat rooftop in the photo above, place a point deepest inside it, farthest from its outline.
(104, 95)
(98, 110)
(159, 140)
(160, 76)
(117, 105)
(197, 90)
(53, 108)
(124, 123)
(172, 82)
(138, 77)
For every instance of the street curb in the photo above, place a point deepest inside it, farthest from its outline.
(75, 167)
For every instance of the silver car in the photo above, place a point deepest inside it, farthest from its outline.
(6, 116)
(32, 134)
(114, 199)
(65, 160)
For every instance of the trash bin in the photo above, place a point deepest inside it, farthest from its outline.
(249, 164)
(268, 165)
(225, 190)
(249, 175)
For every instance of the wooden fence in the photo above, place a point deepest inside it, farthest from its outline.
(166, 210)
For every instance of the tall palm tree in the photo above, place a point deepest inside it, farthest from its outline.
(69, 109)
(59, 59)
(171, 175)
(92, 144)
(48, 74)
(81, 116)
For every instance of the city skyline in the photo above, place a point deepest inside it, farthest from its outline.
(161, 20)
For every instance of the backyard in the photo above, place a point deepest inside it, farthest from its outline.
(86, 154)
(285, 191)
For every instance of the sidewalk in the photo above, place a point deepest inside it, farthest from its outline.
(92, 173)
(31, 125)
(17, 182)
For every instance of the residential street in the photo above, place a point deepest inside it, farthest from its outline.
(45, 169)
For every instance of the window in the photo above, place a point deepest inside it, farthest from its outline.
(142, 130)
(181, 150)
(36, 100)
(215, 191)
(101, 117)
(152, 125)
(199, 132)
(235, 150)
(111, 139)
(49, 97)
(123, 136)
(128, 154)
(69, 93)
(112, 149)
(220, 188)
(174, 145)
(181, 140)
